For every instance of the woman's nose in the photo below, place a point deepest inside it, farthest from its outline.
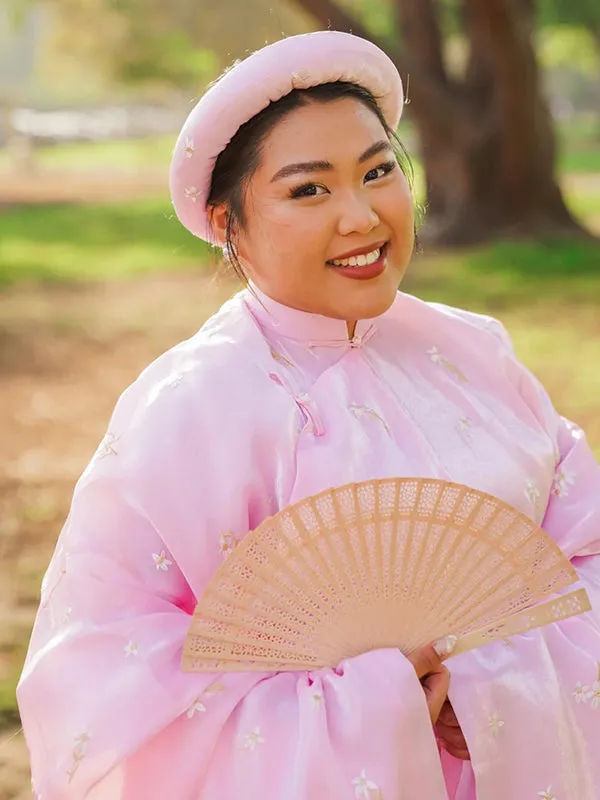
(356, 215)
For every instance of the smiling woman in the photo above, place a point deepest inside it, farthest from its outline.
(318, 373)
(330, 194)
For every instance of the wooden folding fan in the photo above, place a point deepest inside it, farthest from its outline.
(384, 563)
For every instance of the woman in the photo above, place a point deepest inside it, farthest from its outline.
(318, 375)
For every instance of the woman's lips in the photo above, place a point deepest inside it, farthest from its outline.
(366, 272)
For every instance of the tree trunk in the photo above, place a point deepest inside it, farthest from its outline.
(487, 140)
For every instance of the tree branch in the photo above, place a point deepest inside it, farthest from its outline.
(422, 38)
(429, 87)
(330, 15)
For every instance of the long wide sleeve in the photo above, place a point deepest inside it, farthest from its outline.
(186, 470)
(530, 707)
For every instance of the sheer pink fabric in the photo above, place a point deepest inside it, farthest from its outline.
(262, 407)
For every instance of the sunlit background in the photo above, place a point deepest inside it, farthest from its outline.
(97, 277)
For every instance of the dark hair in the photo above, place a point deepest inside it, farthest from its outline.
(236, 165)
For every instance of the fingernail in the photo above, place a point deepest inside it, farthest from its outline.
(445, 645)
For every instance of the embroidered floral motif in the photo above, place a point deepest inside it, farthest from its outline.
(215, 688)
(192, 193)
(311, 421)
(78, 754)
(533, 494)
(496, 724)
(582, 693)
(360, 411)
(547, 794)
(301, 80)
(464, 424)
(252, 739)
(228, 541)
(595, 695)
(131, 649)
(279, 357)
(67, 614)
(196, 707)
(366, 788)
(562, 481)
(437, 358)
(189, 148)
(161, 561)
(317, 699)
(557, 457)
(106, 447)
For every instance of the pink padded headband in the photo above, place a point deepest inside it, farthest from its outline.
(297, 62)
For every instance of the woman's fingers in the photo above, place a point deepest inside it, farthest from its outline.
(453, 742)
(425, 660)
(436, 688)
(447, 716)
(450, 734)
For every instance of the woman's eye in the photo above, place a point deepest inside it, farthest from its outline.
(380, 171)
(308, 190)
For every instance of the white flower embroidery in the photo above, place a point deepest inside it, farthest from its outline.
(464, 424)
(277, 356)
(227, 542)
(437, 358)
(189, 148)
(317, 699)
(301, 80)
(79, 752)
(582, 693)
(252, 739)
(496, 724)
(363, 786)
(547, 794)
(365, 411)
(595, 695)
(106, 447)
(161, 561)
(557, 456)
(131, 649)
(192, 193)
(562, 481)
(197, 706)
(533, 494)
(215, 688)
(81, 741)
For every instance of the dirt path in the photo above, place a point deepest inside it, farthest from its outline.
(75, 186)
(65, 356)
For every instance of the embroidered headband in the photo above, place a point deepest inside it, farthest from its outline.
(298, 62)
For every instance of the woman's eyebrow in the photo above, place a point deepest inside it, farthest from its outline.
(325, 166)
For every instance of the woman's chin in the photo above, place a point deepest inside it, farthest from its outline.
(369, 307)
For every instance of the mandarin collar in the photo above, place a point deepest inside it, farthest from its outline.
(313, 330)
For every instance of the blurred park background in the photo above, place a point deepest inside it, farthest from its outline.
(97, 277)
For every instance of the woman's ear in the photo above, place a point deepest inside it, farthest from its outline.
(218, 216)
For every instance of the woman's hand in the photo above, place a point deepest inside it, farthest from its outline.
(450, 734)
(434, 678)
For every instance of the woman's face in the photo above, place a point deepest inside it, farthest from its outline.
(328, 189)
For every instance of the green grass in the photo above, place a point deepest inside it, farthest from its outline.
(87, 242)
(585, 159)
(509, 275)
